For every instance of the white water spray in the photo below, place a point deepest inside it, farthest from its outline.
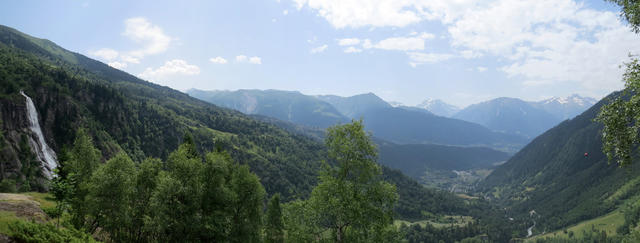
(45, 154)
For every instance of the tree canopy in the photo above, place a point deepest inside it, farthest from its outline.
(621, 117)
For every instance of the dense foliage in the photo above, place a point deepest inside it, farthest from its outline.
(620, 119)
(188, 197)
(351, 202)
(36, 232)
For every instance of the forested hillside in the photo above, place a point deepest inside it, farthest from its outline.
(125, 113)
(563, 175)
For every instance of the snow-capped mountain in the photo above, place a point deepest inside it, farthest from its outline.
(438, 107)
(510, 115)
(565, 107)
(395, 103)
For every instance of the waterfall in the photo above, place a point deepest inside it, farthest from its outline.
(45, 154)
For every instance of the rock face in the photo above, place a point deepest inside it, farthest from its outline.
(14, 124)
(14, 112)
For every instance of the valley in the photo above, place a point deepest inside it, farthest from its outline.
(465, 143)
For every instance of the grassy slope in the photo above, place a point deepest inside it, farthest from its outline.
(7, 217)
(609, 222)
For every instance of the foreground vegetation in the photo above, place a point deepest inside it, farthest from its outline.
(194, 198)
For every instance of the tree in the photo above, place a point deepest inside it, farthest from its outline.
(246, 206)
(176, 202)
(62, 192)
(110, 198)
(352, 200)
(621, 117)
(630, 12)
(215, 200)
(274, 226)
(84, 158)
(145, 183)
(217, 197)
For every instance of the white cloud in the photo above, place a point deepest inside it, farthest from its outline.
(118, 65)
(419, 58)
(348, 41)
(469, 54)
(541, 42)
(415, 41)
(218, 60)
(481, 69)
(426, 36)
(170, 69)
(319, 49)
(366, 44)
(352, 49)
(285, 12)
(251, 60)
(550, 42)
(241, 58)
(105, 53)
(360, 13)
(152, 37)
(255, 60)
(401, 44)
(129, 59)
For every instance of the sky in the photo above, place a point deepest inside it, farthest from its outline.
(459, 51)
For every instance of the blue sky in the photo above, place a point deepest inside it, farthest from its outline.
(459, 51)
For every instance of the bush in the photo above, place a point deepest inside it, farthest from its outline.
(8, 185)
(22, 231)
(52, 212)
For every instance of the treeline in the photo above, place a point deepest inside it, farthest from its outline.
(191, 197)
(188, 197)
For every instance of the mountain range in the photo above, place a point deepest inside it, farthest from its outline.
(402, 125)
(509, 115)
(438, 107)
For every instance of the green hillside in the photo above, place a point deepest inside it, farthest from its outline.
(553, 176)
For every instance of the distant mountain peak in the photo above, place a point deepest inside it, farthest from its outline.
(572, 99)
(395, 103)
(566, 107)
(438, 107)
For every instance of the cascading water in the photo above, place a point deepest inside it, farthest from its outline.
(45, 154)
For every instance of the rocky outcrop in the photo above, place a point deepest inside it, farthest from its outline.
(15, 124)
(23, 206)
